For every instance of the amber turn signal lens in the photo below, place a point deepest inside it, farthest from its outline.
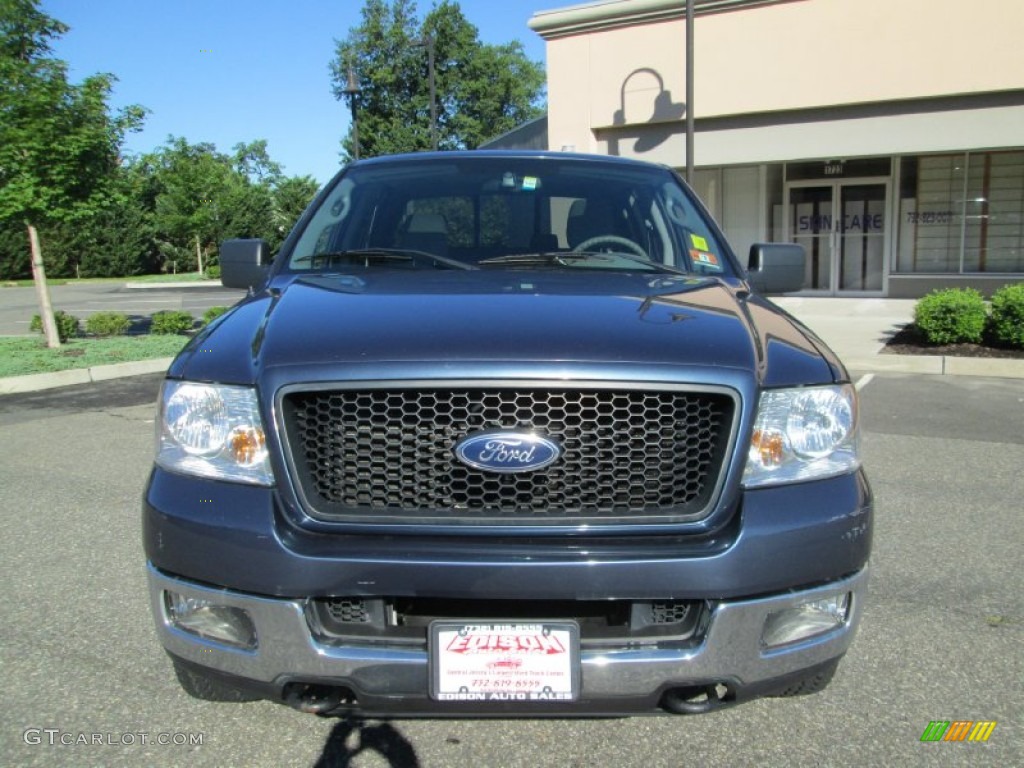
(247, 445)
(768, 446)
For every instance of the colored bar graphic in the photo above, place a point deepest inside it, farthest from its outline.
(982, 730)
(958, 730)
(935, 731)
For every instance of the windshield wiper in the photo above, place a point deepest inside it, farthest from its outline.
(655, 265)
(371, 255)
(559, 258)
(565, 258)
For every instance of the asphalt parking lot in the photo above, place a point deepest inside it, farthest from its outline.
(139, 301)
(941, 637)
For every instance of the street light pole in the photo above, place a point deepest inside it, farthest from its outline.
(427, 41)
(352, 91)
(689, 91)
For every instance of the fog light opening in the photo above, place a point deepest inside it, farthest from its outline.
(209, 620)
(806, 620)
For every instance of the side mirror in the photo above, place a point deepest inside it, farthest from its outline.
(776, 267)
(244, 263)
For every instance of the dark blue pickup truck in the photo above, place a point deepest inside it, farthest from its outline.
(506, 434)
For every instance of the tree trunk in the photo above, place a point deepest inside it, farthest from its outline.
(42, 291)
(199, 255)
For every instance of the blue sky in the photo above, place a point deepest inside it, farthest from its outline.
(226, 71)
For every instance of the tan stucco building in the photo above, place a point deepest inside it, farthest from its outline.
(887, 136)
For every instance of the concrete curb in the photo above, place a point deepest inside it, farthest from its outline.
(984, 366)
(939, 365)
(176, 286)
(40, 381)
(930, 364)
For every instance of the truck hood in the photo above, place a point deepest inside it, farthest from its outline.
(321, 325)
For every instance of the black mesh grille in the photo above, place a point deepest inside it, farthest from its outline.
(671, 612)
(389, 454)
(348, 610)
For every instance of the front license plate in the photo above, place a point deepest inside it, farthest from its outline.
(504, 661)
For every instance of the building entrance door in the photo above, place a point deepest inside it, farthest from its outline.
(843, 226)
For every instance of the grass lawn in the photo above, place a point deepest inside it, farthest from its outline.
(23, 355)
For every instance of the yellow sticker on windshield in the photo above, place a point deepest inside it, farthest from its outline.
(699, 242)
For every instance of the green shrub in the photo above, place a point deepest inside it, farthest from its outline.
(171, 321)
(951, 316)
(108, 324)
(212, 314)
(67, 325)
(1006, 324)
(213, 272)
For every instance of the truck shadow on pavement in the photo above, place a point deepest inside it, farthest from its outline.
(352, 736)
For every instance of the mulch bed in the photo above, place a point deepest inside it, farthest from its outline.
(910, 341)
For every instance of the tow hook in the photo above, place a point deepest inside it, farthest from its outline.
(696, 699)
(316, 699)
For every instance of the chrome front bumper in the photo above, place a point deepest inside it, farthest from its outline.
(397, 679)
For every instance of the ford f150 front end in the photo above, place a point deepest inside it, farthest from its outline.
(506, 433)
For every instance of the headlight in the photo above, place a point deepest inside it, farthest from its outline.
(212, 430)
(803, 434)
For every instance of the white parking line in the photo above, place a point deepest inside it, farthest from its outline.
(863, 381)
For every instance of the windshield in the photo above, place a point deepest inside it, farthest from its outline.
(489, 212)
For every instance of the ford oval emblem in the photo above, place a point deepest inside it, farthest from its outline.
(502, 451)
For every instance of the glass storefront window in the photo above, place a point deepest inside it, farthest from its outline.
(961, 213)
(994, 213)
(744, 200)
(931, 213)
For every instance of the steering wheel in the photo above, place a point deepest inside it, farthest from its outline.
(629, 245)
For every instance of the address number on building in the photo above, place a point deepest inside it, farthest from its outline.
(504, 661)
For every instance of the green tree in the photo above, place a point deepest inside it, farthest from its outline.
(59, 145)
(15, 262)
(292, 196)
(253, 161)
(63, 180)
(118, 240)
(195, 197)
(122, 238)
(482, 90)
(203, 197)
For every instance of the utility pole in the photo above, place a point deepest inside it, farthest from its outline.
(689, 91)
